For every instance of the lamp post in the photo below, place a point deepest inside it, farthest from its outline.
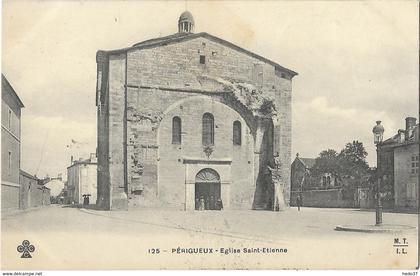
(378, 134)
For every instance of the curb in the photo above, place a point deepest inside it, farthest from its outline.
(374, 229)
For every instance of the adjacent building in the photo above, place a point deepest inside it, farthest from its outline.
(191, 115)
(32, 192)
(302, 176)
(398, 166)
(81, 180)
(327, 189)
(11, 107)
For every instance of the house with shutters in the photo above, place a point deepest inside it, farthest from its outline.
(398, 167)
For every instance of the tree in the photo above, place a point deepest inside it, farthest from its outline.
(352, 160)
(355, 152)
(349, 167)
(329, 153)
(327, 162)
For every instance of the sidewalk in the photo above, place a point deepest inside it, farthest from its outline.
(405, 211)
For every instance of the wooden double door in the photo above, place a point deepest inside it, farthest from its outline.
(210, 192)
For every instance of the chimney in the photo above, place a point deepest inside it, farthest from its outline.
(71, 160)
(401, 135)
(93, 158)
(410, 123)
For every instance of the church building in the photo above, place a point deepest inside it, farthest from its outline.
(191, 115)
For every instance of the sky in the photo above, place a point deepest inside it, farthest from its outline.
(357, 63)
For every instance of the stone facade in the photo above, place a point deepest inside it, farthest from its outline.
(398, 167)
(10, 146)
(82, 180)
(141, 89)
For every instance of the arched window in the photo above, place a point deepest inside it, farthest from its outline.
(237, 133)
(207, 176)
(208, 129)
(176, 130)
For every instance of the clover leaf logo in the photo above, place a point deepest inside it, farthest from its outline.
(25, 248)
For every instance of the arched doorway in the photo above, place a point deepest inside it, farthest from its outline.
(207, 185)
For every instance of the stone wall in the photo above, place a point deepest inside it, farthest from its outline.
(152, 154)
(32, 194)
(332, 198)
(283, 131)
(172, 168)
(116, 126)
(102, 102)
(177, 66)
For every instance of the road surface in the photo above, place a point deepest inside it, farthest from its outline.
(72, 238)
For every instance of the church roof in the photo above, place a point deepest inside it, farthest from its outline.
(308, 162)
(180, 37)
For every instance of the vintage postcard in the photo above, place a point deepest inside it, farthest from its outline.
(209, 135)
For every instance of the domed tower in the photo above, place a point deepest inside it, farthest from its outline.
(186, 23)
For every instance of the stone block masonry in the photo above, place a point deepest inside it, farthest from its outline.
(142, 89)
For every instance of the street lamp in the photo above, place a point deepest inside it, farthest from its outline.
(378, 134)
